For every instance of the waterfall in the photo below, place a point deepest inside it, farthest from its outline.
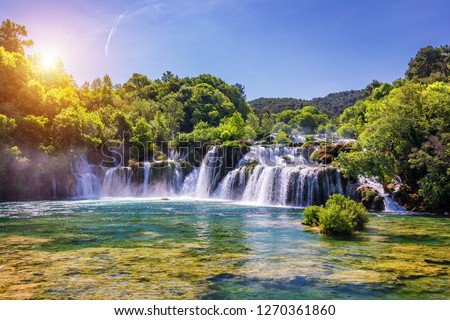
(190, 183)
(278, 155)
(389, 204)
(266, 175)
(88, 182)
(117, 182)
(233, 185)
(208, 174)
(300, 186)
(146, 177)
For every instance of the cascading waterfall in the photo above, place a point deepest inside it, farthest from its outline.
(146, 178)
(160, 178)
(117, 182)
(190, 183)
(208, 174)
(87, 177)
(299, 186)
(278, 155)
(265, 176)
(389, 204)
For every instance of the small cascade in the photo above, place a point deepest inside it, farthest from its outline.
(209, 172)
(117, 182)
(166, 178)
(87, 176)
(159, 178)
(389, 204)
(278, 155)
(297, 138)
(146, 178)
(190, 183)
(233, 185)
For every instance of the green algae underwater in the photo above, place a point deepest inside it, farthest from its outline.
(186, 249)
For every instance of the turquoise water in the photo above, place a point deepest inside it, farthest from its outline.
(187, 249)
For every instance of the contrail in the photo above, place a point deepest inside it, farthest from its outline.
(113, 30)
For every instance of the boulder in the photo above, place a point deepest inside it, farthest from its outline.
(326, 153)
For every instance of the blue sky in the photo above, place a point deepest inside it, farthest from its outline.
(301, 49)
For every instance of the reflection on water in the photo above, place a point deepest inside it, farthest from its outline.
(183, 249)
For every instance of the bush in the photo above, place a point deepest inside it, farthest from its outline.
(340, 215)
(311, 216)
(335, 222)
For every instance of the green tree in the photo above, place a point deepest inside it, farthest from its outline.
(253, 122)
(7, 125)
(282, 137)
(141, 139)
(173, 111)
(267, 122)
(372, 86)
(32, 130)
(236, 126)
(74, 126)
(428, 61)
(12, 37)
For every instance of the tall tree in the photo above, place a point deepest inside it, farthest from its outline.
(12, 37)
(428, 61)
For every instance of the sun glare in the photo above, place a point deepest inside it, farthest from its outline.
(48, 60)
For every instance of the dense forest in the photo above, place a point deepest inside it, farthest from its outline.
(402, 129)
(332, 104)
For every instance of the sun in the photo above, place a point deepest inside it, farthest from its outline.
(48, 60)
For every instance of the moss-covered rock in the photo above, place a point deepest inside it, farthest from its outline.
(370, 198)
(408, 196)
(328, 151)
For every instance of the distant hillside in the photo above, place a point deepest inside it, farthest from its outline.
(333, 104)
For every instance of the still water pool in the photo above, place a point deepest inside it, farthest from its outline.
(186, 249)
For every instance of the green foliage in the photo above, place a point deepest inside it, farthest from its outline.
(141, 139)
(382, 91)
(12, 37)
(32, 129)
(7, 125)
(253, 122)
(235, 125)
(311, 216)
(430, 62)
(434, 159)
(403, 129)
(225, 135)
(267, 122)
(282, 137)
(372, 86)
(332, 105)
(353, 120)
(74, 126)
(340, 215)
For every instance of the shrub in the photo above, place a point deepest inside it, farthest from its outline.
(335, 222)
(311, 215)
(340, 215)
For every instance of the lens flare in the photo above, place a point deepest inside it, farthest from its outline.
(48, 59)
